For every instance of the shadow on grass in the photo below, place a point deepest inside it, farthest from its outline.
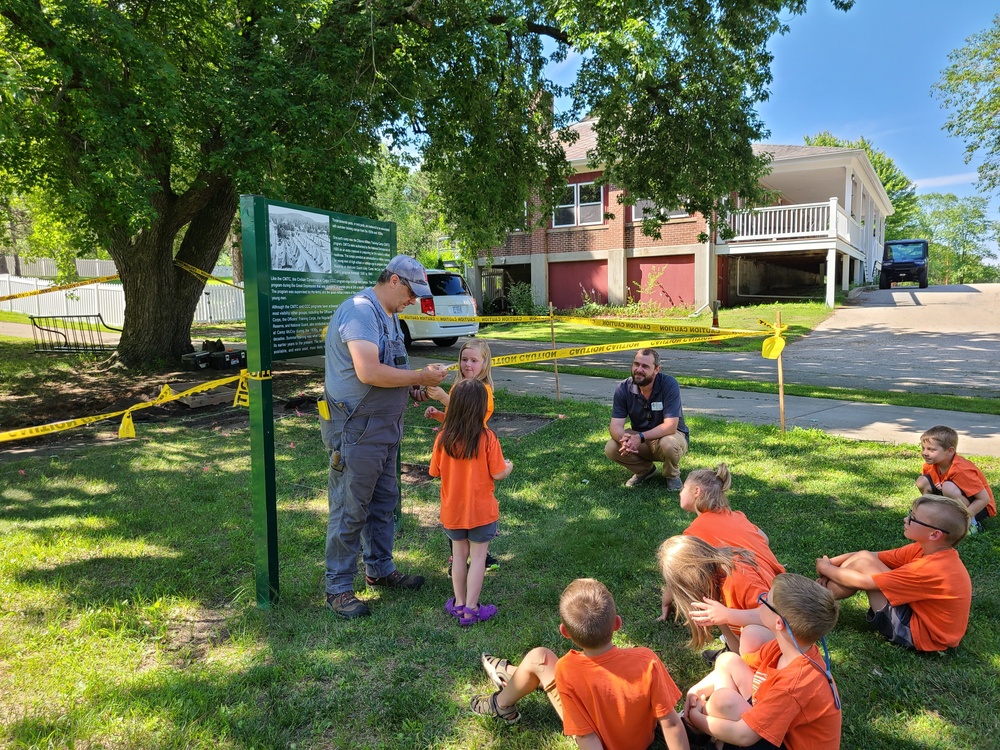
(172, 519)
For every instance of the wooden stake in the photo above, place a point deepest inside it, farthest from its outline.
(781, 380)
(555, 362)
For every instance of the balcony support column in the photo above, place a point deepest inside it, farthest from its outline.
(831, 276)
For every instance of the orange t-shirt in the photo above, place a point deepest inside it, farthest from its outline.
(967, 477)
(938, 589)
(439, 416)
(742, 587)
(467, 485)
(619, 696)
(729, 528)
(792, 707)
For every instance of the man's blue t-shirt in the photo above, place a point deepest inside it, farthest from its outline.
(358, 317)
(664, 403)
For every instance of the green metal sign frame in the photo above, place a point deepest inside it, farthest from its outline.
(299, 264)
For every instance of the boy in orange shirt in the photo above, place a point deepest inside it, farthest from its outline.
(607, 697)
(946, 473)
(920, 594)
(783, 695)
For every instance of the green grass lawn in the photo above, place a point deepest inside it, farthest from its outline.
(800, 317)
(127, 614)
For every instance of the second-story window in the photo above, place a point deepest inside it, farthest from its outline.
(646, 209)
(580, 205)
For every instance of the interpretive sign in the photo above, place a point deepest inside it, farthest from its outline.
(299, 263)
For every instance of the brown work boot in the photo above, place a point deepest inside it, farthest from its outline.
(396, 580)
(347, 605)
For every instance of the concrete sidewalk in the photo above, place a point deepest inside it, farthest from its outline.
(979, 433)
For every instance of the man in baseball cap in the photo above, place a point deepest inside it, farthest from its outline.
(368, 385)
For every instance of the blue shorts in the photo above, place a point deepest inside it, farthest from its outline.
(478, 535)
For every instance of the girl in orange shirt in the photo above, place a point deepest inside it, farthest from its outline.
(715, 586)
(704, 494)
(468, 459)
(474, 363)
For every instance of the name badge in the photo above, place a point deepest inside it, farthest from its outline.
(656, 406)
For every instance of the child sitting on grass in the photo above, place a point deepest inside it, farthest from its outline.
(919, 595)
(704, 493)
(783, 696)
(715, 586)
(468, 459)
(607, 697)
(946, 473)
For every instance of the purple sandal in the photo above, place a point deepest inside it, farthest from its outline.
(451, 609)
(470, 617)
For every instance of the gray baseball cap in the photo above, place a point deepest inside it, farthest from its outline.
(409, 270)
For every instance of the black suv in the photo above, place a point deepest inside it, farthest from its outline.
(904, 260)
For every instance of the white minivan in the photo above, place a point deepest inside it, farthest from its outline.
(451, 297)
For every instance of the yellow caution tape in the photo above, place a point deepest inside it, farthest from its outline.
(478, 318)
(69, 424)
(582, 351)
(127, 430)
(203, 275)
(58, 288)
(630, 325)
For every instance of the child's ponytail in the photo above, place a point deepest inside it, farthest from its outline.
(713, 485)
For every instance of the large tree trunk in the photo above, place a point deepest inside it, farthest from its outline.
(160, 298)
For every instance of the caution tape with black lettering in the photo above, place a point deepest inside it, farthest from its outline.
(627, 325)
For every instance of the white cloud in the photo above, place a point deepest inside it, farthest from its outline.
(964, 178)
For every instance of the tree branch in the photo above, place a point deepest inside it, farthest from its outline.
(541, 29)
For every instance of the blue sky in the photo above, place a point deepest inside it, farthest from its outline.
(869, 72)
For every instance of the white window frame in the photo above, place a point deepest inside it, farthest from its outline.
(641, 206)
(576, 207)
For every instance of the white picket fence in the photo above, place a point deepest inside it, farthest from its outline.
(86, 268)
(219, 302)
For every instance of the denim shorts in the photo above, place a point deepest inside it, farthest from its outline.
(478, 535)
(893, 623)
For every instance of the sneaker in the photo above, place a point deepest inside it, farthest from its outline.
(675, 484)
(974, 526)
(486, 705)
(636, 479)
(491, 563)
(498, 670)
(347, 605)
(710, 655)
(470, 617)
(396, 580)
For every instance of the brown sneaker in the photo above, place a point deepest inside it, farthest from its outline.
(396, 580)
(636, 479)
(347, 605)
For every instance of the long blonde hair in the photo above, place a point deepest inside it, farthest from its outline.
(486, 374)
(692, 570)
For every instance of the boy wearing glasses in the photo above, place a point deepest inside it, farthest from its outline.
(919, 594)
(782, 696)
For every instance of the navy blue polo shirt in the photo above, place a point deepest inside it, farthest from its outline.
(664, 402)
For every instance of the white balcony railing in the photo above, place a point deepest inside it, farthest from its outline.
(800, 221)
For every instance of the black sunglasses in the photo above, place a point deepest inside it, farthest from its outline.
(762, 599)
(911, 519)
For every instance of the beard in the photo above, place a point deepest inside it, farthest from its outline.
(641, 380)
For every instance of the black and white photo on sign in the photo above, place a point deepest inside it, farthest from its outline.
(300, 240)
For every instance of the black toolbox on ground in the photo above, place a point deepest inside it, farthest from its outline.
(231, 359)
(195, 361)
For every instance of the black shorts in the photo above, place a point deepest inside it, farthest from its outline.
(980, 516)
(893, 623)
